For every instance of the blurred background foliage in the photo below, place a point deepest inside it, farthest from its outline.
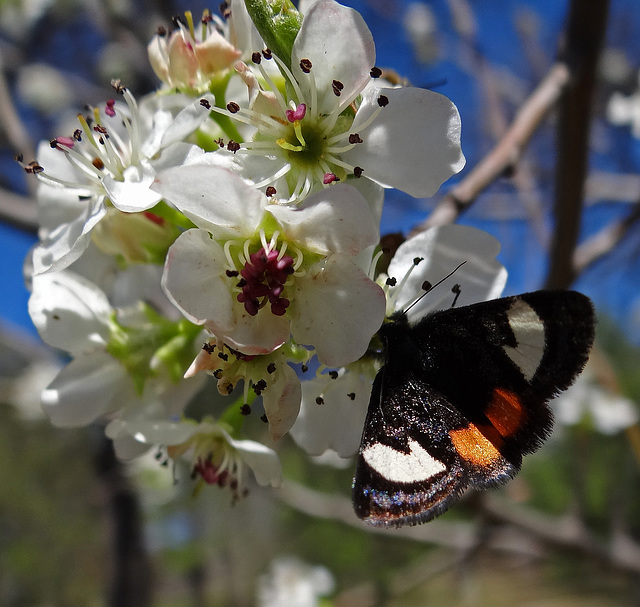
(78, 528)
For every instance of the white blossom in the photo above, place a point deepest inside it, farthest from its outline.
(608, 412)
(254, 272)
(333, 122)
(293, 583)
(216, 457)
(106, 375)
(102, 172)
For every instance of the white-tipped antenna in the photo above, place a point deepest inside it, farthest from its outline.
(428, 287)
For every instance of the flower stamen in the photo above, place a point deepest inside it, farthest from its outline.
(263, 281)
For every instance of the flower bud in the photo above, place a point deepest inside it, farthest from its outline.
(188, 61)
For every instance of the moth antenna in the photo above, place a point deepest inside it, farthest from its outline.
(455, 289)
(428, 287)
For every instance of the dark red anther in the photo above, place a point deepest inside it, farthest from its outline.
(264, 277)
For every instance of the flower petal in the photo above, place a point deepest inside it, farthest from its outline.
(194, 279)
(87, 388)
(281, 401)
(128, 448)
(340, 46)
(423, 130)
(263, 461)
(337, 309)
(66, 243)
(482, 277)
(57, 204)
(175, 155)
(213, 198)
(186, 121)
(69, 312)
(132, 194)
(337, 423)
(153, 431)
(242, 32)
(331, 221)
(255, 335)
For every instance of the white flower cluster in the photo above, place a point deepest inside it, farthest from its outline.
(229, 224)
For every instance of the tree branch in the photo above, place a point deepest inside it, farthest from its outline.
(566, 532)
(584, 39)
(19, 211)
(459, 536)
(131, 573)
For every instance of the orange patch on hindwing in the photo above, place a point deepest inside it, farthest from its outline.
(505, 412)
(473, 446)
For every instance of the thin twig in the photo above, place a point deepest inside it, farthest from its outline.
(496, 119)
(10, 119)
(602, 243)
(506, 153)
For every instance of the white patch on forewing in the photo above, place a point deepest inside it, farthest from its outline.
(528, 330)
(398, 467)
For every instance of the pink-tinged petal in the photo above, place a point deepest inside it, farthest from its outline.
(482, 277)
(86, 389)
(340, 46)
(194, 279)
(336, 309)
(414, 142)
(336, 423)
(202, 362)
(69, 312)
(213, 198)
(255, 335)
(215, 54)
(66, 243)
(281, 401)
(183, 64)
(260, 101)
(333, 220)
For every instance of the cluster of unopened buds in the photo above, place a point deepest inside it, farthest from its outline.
(228, 225)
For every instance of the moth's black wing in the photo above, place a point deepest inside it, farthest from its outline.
(462, 396)
(408, 470)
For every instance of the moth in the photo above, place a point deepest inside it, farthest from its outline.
(462, 396)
